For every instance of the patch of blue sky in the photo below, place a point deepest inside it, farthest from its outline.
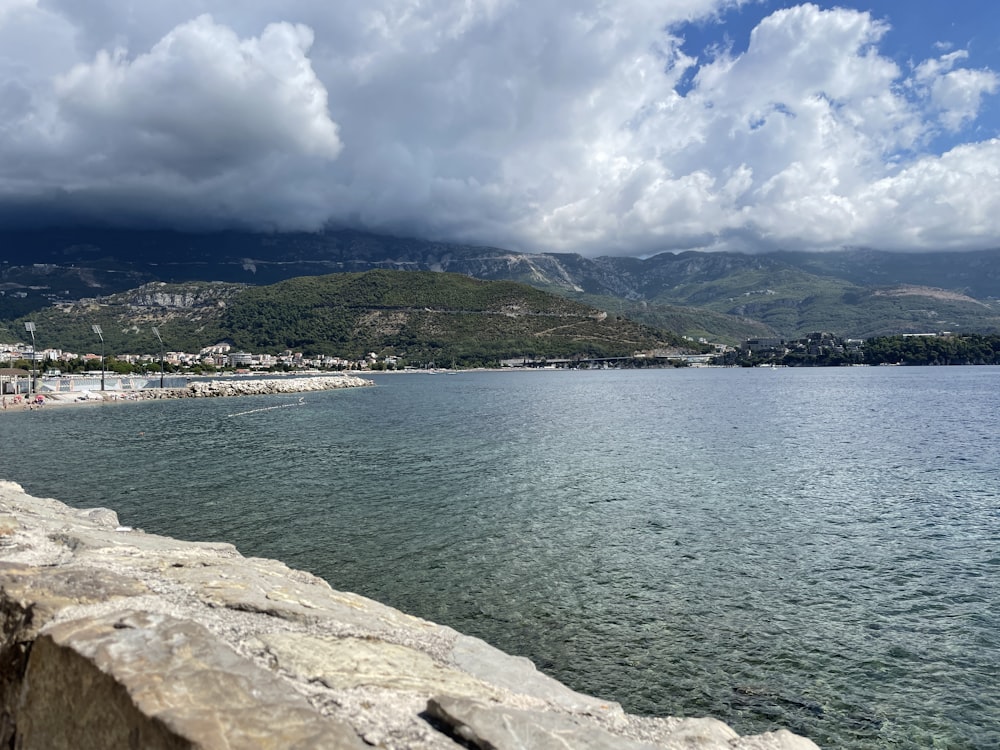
(918, 30)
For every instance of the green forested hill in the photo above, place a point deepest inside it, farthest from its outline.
(423, 316)
(188, 316)
(420, 316)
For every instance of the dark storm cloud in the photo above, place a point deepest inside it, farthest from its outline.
(530, 125)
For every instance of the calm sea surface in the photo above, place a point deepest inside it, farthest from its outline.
(810, 548)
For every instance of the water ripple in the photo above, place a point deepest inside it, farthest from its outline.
(814, 549)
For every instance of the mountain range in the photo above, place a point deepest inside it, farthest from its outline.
(719, 296)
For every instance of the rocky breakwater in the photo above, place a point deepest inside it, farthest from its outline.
(213, 388)
(114, 638)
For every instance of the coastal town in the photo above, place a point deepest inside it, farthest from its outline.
(216, 357)
(58, 376)
(22, 360)
(27, 373)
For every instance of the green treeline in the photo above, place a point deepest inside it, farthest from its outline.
(950, 349)
(965, 349)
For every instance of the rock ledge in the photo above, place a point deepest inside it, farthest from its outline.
(113, 638)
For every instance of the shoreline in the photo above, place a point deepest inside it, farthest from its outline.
(238, 385)
(195, 389)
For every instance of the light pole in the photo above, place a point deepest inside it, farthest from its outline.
(100, 333)
(156, 332)
(30, 328)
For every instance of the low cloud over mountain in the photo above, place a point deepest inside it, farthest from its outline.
(627, 128)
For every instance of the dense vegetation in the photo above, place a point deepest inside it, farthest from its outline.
(695, 322)
(969, 349)
(419, 316)
(424, 317)
(187, 315)
(965, 349)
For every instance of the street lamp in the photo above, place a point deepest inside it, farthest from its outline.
(30, 328)
(156, 332)
(100, 333)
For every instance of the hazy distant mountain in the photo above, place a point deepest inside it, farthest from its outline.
(718, 295)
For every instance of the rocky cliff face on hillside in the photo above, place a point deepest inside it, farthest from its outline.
(113, 638)
(182, 297)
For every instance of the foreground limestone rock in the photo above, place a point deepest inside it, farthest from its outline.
(167, 683)
(113, 638)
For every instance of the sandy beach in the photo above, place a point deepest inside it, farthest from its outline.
(21, 402)
(11, 404)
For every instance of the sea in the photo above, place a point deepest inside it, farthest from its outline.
(816, 549)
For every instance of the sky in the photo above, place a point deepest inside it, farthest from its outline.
(624, 127)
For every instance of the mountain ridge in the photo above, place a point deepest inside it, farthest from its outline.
(785, 293)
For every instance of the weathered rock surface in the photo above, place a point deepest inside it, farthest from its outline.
(162, 682)
(113, 638)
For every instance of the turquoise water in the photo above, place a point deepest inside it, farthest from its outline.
(810, 548)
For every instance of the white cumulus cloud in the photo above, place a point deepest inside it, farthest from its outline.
(202, 101)
(592, 127)
(956, 94)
